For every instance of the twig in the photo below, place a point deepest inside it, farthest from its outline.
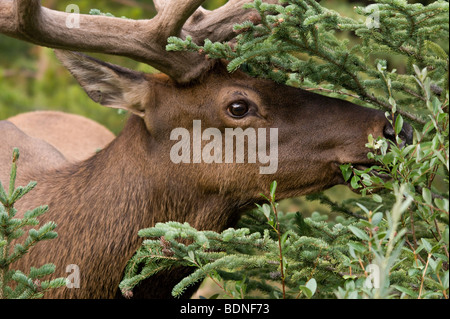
(443, 290)
(283, 283)
(332, 91)
(413, 229)
(423, 275)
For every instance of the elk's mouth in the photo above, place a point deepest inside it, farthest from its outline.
(372, 171)
(369, 169)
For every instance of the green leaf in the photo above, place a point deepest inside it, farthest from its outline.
(363, 208)
(190, 257)
(284, 237)
(312, 286)
(306, 291)
(445, 236)
(358, 232)
(376, 218)
(426, 245)
(377, 198)
(263, 196)
(435, 248)
(426, 194)
(273, 188)
(354, 182)
(266, 210)
(398, 124)
(441, 203)
(388, 158)
(406, 291)
(346, 171)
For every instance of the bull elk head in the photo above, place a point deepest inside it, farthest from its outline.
(101, 202)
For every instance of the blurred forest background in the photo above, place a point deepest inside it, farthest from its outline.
(31, 78)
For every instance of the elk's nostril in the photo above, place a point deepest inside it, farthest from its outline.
(389, 132)
(406, 134)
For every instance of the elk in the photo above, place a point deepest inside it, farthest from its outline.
(99, 203)
(79, 139)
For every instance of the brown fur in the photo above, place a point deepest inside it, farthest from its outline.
(78, 138)
(100, 204)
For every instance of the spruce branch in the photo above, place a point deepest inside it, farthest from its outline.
(11, 229)
(296, 42)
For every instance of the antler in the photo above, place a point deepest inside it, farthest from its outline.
(141, 40)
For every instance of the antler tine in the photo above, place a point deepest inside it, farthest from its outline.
(141, 40)
(159, 4)
(27, 20)
(217, 25)
(173, 14)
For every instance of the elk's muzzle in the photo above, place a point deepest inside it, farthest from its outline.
(406, 134)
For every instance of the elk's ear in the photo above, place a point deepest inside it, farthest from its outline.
(108, 84)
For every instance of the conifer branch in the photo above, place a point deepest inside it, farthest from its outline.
(11, 228)
(272, 49)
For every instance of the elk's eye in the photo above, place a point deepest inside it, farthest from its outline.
(238, 109)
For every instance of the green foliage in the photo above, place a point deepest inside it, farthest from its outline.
(14, 284)
(288, 256)
(249, 263)
(415, 170)
(301, 43)
(393, 242)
